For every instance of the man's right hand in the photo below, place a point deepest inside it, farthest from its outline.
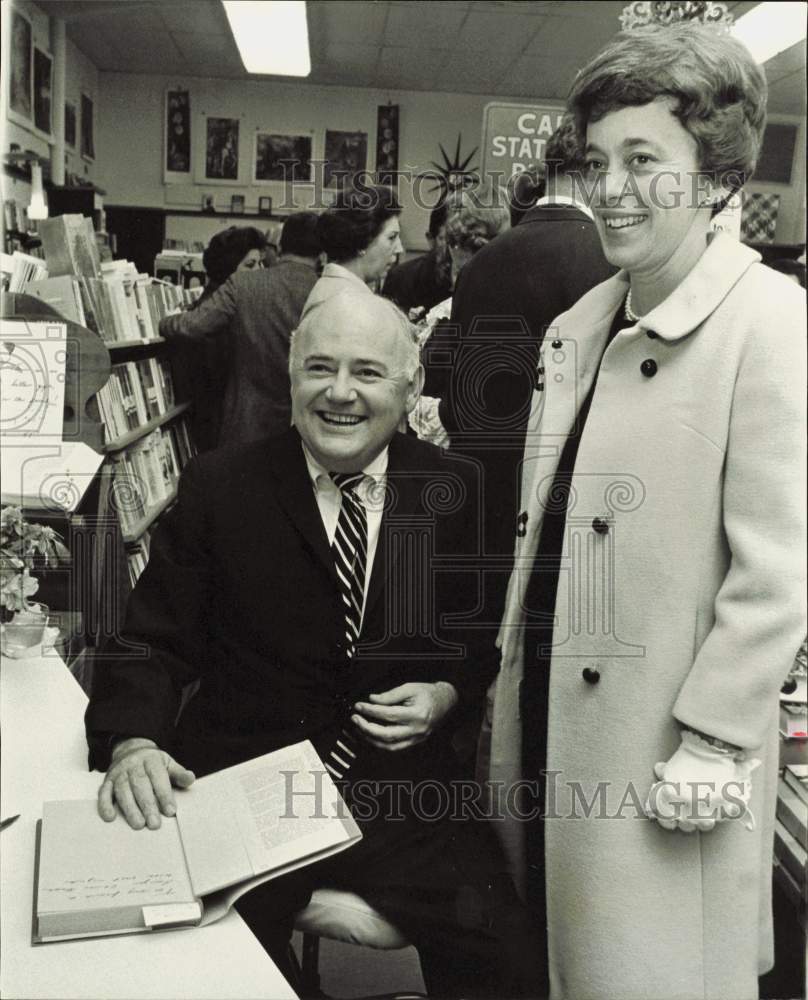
(139, 780)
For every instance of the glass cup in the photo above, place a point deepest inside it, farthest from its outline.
(22, 636)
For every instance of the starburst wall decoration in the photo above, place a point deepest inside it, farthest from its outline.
(453, 174)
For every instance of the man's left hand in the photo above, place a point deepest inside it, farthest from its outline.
(405, 715)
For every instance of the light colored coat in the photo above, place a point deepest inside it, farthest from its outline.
(690, 607)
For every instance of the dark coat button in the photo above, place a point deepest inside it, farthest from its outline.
(652, 334)
(521, 524)
(601, 526)
(558, 344)
(590, 675)
(649, 367)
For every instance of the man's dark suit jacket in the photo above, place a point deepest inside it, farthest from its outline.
(241, 593)
(504, 300)
(254, 313)
(415, 283)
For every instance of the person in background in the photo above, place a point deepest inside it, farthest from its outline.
(657, 598)
(425, 281)
(360, 236)
(475, 217)
(272, 248)
(524, 190)
(239, 248)
(246, 591)
(504, 300)
(252, 314)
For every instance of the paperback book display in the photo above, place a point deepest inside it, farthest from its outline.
(146, 474)
(791, 832)
(137, 392)
(19, 269)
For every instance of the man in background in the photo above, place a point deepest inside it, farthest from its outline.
(426, 280)
(503, 302)
(254, 312)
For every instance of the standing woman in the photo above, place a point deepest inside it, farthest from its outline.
(360, 235)
(663, 529)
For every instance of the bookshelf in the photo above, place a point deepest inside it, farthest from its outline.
(123, 405)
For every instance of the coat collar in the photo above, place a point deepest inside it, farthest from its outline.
(717, 271)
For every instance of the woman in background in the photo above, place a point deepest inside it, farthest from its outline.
(239, 248)
(475, 216)
(203, 370)
(361, 237)
(664, 536)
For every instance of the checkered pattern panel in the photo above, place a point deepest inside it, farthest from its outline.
(759, 217)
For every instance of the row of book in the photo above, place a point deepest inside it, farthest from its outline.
(18, 270)
(137, 555)
(137, 392)
(791, 831)
(121, 305)
(146, 474)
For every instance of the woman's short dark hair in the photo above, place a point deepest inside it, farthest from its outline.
(718, 90)
(227, 249)
(355, 220)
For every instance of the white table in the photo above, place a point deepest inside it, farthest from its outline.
(45, 757)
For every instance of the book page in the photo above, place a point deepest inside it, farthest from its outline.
(283, 805)
(87, 864)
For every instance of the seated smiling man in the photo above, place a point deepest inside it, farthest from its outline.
(282, 582)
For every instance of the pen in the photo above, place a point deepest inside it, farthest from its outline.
(8, 821)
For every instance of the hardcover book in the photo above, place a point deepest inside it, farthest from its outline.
(233, 829)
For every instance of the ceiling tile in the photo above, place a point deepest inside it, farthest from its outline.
(409, 69)
(345, 23)
(787, 95)
(428, 24)
(359, 58)
(502, 30)
(463, 70)
(206, 16)
(542, 79)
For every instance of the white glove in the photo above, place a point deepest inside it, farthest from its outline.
(701, 785)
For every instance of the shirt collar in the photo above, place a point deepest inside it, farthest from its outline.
(563, 199)
(376, 470)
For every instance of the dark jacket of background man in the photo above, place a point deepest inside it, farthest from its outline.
(503, 302)
(426, 280)
(256, 311)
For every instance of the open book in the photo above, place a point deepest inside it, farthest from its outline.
(233, 830)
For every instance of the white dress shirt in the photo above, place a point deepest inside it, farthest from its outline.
(371, 491)
(563, 199)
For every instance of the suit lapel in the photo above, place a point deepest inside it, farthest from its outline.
(295, 493)
(404, 489)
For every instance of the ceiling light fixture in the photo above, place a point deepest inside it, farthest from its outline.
(272, 35)
(770, 28)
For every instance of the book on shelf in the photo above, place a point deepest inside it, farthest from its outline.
(136, 392)
(63, 293)
(233, 829)
(70, 246)
(796, 777)
(791, 854)
(792, 811)
(19, 269)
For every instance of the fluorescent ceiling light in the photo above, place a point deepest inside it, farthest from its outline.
(770, 28)
(272, 35)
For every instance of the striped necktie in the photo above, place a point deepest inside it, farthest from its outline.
(350, 553)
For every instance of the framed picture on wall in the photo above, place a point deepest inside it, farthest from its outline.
(386, 143)
(43, 85)
(177, 135)
(20, 85)
(264, 205)
(70, 124)
(346, 154)
(237, 204)
(221, 149)
(87, 128)
(282, 157)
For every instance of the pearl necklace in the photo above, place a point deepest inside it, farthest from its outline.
(630, 314)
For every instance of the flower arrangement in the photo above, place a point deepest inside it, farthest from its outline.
(22, 547)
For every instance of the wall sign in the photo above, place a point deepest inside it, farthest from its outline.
(514, 137)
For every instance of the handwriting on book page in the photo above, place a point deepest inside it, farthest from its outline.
(122, 888)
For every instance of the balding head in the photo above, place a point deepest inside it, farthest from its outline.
(355, 372)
